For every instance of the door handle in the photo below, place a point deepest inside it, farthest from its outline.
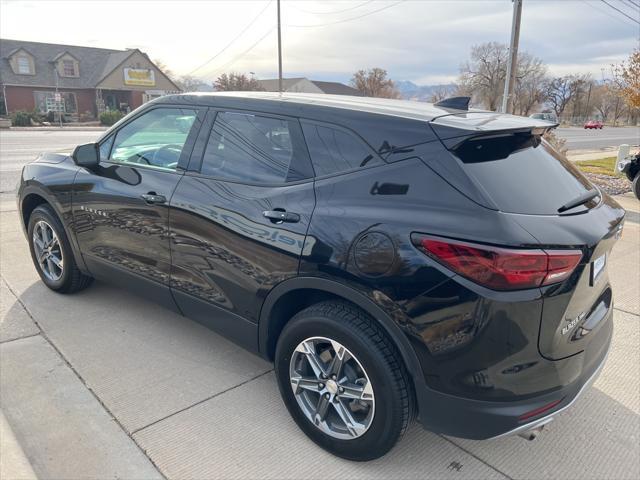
(153, 198)
(280, 216)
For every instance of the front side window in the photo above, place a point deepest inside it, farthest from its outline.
(24, 65)
(68, 68)
(250, 148)
(155, 139)
(105, 148)
(334, 150)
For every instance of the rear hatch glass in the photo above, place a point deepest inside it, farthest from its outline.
(522, 174)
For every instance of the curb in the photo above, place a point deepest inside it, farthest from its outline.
(56, 129)
(14, 464)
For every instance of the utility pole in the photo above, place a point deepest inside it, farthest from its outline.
(586, 113)
(279, 53)
(512, 68)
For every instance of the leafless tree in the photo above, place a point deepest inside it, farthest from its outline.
(374, 83)
(558, 93)
(440, 93)
(603, 100)
(482, 77)
(187, 83)
(237, 82)
(164, 69)
(580, 85)
(529, 88)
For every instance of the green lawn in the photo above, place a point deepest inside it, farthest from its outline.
(603, 166)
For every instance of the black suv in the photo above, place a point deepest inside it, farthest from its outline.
(393, 259)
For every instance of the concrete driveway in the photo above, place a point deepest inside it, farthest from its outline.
(102, 384)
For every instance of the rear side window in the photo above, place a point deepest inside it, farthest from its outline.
(522, 175)
(252, 148)
(334, 150)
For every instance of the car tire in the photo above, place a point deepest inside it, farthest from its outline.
(51, 252)
(378, 419)
(636, 185)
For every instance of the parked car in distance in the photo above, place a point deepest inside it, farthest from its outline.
(593, 124)
(395, 260)
(546, 116)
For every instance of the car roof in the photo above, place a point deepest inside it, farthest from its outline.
(383, 106)
(324, 105)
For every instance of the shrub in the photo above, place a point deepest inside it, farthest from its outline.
(22, 118)
(558, 143)
(110, 117)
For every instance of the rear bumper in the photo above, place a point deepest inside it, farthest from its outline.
(549, 417)
(481, 420)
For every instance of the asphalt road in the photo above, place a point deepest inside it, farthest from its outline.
(18, 147)
(103, 384)
(581, 139)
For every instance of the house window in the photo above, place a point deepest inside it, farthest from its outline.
(24, 65)
(68, 68)
(46, 102)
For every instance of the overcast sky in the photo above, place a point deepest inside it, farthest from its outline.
(420, 40)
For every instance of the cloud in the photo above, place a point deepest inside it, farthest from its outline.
(420, 40)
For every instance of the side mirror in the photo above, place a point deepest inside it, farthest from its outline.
(87, 155)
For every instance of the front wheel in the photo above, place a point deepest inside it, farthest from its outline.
(343, 381)
(51, 252)
(636, 186)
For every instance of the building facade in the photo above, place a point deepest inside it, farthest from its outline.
(81, 82)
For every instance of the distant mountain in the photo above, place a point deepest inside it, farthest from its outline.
(411, 91)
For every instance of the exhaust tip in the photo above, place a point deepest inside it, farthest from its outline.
(531, 434)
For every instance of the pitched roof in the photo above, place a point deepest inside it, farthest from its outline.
(334, 88)
(271, 84)
(337, 88)
(95, 63)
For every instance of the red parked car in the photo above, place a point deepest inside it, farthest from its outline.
(594, 124)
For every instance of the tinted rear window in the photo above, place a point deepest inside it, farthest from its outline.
(334, 150)
(522, 175)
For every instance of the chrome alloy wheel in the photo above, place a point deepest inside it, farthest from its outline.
(48, 250)
(331, 387)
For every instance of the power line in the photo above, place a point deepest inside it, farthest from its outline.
(334, 11)
(618, 10)
(605, 12)
(634, 4)
(232, 41)
(238, 57)
(349, 19)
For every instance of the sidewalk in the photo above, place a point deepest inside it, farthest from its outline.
(13, 462)
(577, 155)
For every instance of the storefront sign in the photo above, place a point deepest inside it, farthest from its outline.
(144, 77)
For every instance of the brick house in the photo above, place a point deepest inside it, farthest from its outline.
(88, 80)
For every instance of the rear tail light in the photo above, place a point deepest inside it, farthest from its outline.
(501, 268)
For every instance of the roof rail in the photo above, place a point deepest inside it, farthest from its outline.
(458, 103)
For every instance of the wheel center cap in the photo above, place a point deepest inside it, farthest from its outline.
(332, 387)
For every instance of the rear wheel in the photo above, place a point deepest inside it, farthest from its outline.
(636, 186)
(343, 381)
(51, 252)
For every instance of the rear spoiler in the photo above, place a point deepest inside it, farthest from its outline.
(455, 129)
